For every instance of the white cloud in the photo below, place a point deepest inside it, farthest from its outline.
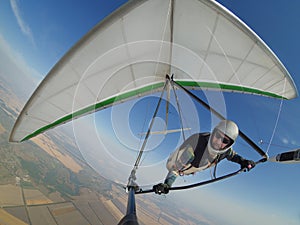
(16, 72)
(24, 27)
(291, 142)
(17, 60)
(285, 140)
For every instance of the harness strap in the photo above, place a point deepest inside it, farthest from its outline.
(184, 169)
(200, 148)
(199, 144)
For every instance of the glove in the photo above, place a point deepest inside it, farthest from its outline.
(247, 164)
(161, 188)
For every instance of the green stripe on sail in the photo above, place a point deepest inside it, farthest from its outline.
(143, 90)
(228, 87)
(95, 107)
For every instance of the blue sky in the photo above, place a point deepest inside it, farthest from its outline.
(34, 35)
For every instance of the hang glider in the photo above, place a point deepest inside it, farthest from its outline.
(129, 53)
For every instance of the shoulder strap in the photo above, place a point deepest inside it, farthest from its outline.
(200, 148)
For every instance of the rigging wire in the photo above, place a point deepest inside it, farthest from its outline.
(233, 68)
(180, 114)
(132, 176)
(277, 119)
(249, 141)
(179, 111)
(241, 134)
(143, 128)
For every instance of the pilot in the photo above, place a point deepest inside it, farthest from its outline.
(201, 151)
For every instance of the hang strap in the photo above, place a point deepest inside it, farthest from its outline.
(200, 148)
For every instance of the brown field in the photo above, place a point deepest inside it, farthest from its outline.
(38, 201)
(62, 211)
(10, 195)
(103, 214)
(35, 197)
(18, 212)
(90, 208)
(68, 215)
(41, 215)
(113, 210)
(55, 197)
(87, 211)
(50, 147)
(8, 219)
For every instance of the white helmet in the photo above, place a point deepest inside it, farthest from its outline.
(230, 129)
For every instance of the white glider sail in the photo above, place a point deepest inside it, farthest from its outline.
(129, 53)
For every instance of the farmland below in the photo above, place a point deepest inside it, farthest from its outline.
(46, 181)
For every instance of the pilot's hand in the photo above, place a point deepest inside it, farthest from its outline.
(161, 188)
(247, 164)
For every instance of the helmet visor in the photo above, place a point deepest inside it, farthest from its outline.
(220, 141)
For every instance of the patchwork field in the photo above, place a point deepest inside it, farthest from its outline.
(8, 219)
(44, 180)
(87, 208)
(51, 148)
(10, 195)
(35, 197)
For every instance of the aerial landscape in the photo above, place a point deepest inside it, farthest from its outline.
(46, 181)
(81, 129)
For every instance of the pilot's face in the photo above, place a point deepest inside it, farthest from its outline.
(220, 140)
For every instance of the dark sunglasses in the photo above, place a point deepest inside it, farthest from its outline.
(225, 139)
